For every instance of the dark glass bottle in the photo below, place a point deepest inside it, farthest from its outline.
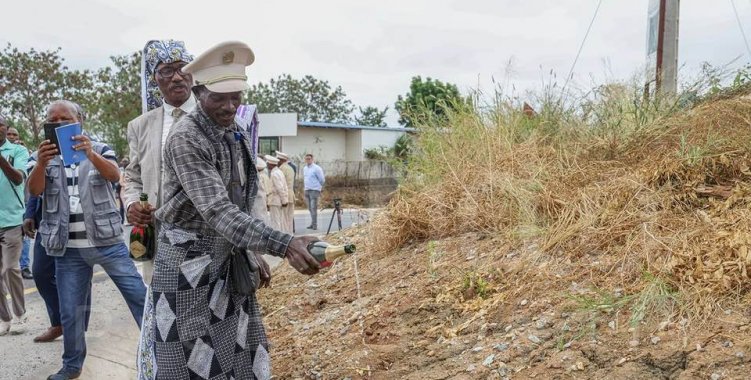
(142, 240)
(326, 253)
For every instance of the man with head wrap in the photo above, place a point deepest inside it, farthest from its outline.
(166, 95)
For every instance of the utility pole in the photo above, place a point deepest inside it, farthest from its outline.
(662, 45)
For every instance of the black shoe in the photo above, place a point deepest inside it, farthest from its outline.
(26, 273)
(310, 227)
(64, 375)
(313, 227)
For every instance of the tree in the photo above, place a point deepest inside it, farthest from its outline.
(116, 101)
(429, 98)
(372, 116)
(312, 99)
(30, 80)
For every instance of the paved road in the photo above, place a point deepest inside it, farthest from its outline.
(112, 336)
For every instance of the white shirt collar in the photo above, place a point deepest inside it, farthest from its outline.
(188, 106)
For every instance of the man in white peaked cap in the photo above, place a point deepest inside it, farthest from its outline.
(278, 194)
(197, 323)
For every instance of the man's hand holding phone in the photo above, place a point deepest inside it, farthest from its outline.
(47, 151)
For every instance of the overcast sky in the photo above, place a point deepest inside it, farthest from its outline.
(373, 48)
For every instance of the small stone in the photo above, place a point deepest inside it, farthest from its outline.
(534, 339)
(727, 344)
(716, 376)
(655, 339)
(328, 352)
(664, 325)
(541, 323)
(488, 360)
(621, 361)
(633, 343)
(565, 315)
(431, 353)
(477, 349)
(471, 368)
(508, 328)
(580, 366)
(501, 347)
(568, 345)
(631, 329)
(740, 354)
(728, 312)
(524, 303)
(611, 324)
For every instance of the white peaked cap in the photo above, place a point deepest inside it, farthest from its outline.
(260, 164)
(222, 68)
(271, 159)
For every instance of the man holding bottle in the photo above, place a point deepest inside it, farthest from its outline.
(195, 319)
(166, 98)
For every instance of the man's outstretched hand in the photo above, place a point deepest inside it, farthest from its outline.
(299, 258)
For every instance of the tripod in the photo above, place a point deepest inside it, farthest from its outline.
(338, 213)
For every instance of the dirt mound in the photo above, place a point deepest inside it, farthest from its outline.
(469, 307)
(543, 247)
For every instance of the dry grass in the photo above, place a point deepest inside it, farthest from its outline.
(642, 188)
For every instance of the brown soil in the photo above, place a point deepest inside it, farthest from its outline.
(470, 307)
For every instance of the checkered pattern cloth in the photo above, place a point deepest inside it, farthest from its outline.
(194, 196)
(195, 326)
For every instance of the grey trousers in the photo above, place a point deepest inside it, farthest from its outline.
(311, 197)
(11, 243)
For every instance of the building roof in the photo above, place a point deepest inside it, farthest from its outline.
(316, 124)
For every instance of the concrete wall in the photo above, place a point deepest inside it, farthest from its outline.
(374, 139)
(277, 124)
(354, 145)
(325, 144)
(358, 170)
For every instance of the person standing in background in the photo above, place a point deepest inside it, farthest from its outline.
(260, 203)
(313, 179)
(13, 160)
(278, 195)
(289, 176)
(24, 262)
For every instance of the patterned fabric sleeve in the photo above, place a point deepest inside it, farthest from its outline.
(202, 183)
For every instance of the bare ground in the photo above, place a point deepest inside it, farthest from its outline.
(470, 307)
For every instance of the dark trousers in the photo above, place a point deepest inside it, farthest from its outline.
(43, 270)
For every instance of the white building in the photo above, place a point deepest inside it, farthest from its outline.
(328, 142)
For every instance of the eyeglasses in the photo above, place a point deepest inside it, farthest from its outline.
(169, 71)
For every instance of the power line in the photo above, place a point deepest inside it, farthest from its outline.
(740, 26)
(581, 47)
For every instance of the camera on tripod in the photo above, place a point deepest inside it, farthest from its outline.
(337, 213)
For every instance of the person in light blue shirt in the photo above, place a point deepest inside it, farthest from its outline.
(12, 163)
(314, 180)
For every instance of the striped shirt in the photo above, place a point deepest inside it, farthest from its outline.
(77, 237)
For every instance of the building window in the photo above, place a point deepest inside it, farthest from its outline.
(268, 145)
